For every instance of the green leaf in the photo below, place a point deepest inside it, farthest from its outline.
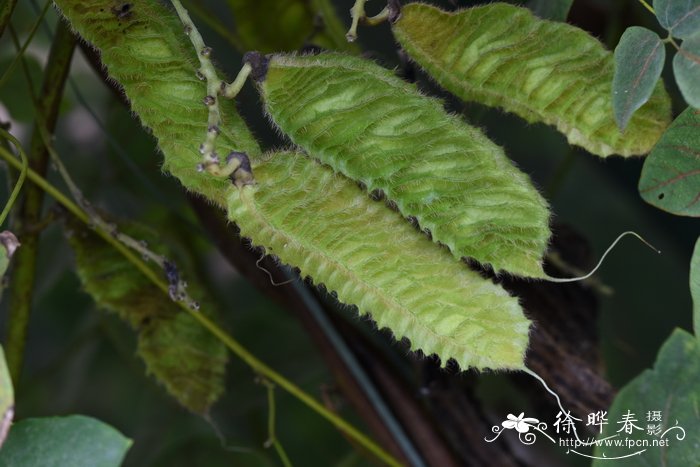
(639, 59)
(75, 441)
(176, 349)
(686, 68)
(551, 72)
(323, 223)
(695, 287)
(556, 10)
(672, 388)
(671, 175)
(148, 53)
(373, 127)
(287, 25)
(680, 17)
(7, 399)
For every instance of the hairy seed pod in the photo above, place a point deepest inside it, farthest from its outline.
(373, 127)
(148, 53)
(301, 211)
(320, 221)
(544, 71)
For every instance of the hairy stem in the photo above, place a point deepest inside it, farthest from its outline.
(207, 71)
(233, 345)
(23, 275)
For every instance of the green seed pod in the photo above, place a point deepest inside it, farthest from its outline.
(310, 217)
(146, 50)
(503, 56)
(373, 127)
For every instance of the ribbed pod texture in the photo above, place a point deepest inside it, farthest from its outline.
(186, 358)
(544, 71)
(146, 50)
(364, 122)
(302, 211)
(312, 218)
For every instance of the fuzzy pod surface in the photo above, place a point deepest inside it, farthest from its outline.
(368, 124)
(543, 71)
(182, 355)
(144, 47)
(313, 218)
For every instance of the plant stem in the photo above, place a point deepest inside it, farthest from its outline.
(20, 180)
(647, 6)
(6, 10)
(210, 160)
(23, 275)
(19, 56)
(233, 345)
(271, 432)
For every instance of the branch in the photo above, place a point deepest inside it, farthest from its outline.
(23, 275)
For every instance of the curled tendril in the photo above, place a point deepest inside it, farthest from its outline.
(495, 429)
(679, 436)
(527, 438)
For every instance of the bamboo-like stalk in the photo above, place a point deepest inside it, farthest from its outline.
(23, 276)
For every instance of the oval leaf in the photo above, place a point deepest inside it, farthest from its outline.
(680, 17)
(671, 175)
(695, 287)
(147, 52)
(310, 217)
(176, 349)
(672, 389)
(74, 441)
(639, 59)
(503, 56)
(686, 68)
(368, 124)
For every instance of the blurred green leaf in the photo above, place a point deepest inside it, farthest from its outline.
(671, 388)
(671, 175)
(639, 59)
(7, 398)
(680, 17)
(287, 25)
(75, 441)
(695, 287)
(555, 10)
(14, 93)
(686, 67)
(184, 356)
